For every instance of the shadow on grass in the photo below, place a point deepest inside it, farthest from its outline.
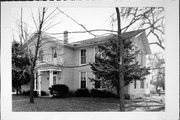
(21, 103)
(146, 108)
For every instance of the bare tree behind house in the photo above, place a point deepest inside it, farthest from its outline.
(149, 18)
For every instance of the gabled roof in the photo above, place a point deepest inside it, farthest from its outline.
(126, 35)
(104, 39)
(96, 41)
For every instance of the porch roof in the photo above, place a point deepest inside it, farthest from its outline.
(48, 67)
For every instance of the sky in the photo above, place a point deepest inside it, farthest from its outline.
(91, 18)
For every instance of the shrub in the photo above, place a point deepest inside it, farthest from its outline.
(108, 94)
(71, 94)
(43, 93)
(27, 93)
(102, 93)
(126, 96)
(59, 90)
(96, 93)
(83, 92)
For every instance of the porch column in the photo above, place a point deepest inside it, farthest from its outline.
(39, 82)
(50, 78)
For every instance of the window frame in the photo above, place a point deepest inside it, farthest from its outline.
(99, 84)
(85, 80)
(54, 54)
(55, 75)
(83, 56)
(41, 57)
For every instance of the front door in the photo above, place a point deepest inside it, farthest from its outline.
(54, 79)
(44, 81)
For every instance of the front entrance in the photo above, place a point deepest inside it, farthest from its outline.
(45, 79)
(54, 77)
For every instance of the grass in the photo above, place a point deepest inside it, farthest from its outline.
(21, 103)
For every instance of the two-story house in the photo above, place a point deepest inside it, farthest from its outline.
(62, 62)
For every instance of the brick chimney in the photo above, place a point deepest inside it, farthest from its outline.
(65, 36)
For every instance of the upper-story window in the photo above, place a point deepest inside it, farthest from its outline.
(54, 52)
(83, 56)
(41, 55)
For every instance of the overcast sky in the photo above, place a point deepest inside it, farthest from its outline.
(91, 18)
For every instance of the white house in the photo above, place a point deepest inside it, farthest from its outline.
(54, 54)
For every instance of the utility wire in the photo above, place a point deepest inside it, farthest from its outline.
(76, 22)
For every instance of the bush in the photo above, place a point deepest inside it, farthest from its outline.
(83, 92)
(71, 94)
(126, 96)
(27, 93)
(43, 93)
(59, 90)
(96, 93)
(102, 93)
(108, 94)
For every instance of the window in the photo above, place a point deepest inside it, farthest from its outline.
(54, 77)
(83, 56)
(55, 55)
(135, 49)
(97, 84)
(135, 84)
(41, 55)
(83, 79)
(142, 84)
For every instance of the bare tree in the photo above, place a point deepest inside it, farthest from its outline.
(42, 23)
(149, 18)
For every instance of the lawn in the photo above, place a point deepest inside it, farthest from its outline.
(21, 103)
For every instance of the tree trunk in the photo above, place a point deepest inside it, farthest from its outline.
(121, 62)
(118, 94)
(36, 56)
(32, 86)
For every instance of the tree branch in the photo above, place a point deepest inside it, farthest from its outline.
(76, 22)
(157, 44)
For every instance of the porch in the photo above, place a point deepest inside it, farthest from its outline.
(45, 78)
